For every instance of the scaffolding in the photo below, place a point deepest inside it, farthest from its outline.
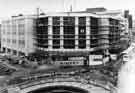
(104, 33)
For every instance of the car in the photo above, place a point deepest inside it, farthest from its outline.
(125, 58)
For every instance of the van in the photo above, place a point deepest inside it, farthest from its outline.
(125, 58)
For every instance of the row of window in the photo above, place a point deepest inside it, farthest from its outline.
(70, 21)
(21, 42)
(12, 29)
(69, 32)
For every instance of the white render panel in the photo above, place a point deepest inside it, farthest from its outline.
(88, 32)
(61, 33)
(29, 35)
(25, 34)
(50, 32)
(76, 33)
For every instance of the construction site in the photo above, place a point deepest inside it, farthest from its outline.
(84, 50)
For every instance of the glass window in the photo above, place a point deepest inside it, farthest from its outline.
(82, 36)
(69, 32)
(42, 32)
(42, 21)
(82, 21)
(56, 20)
(69, 37)
(56, 36)
(56, 30)
(94, 37)
(69, 21)
(56, 43)
(13, 41)
(94, 21)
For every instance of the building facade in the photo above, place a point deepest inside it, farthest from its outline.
(67, 37)
(0, 35)
(16, 35)
(77, 36)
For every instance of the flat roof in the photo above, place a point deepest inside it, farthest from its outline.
(80, 14)
(66, 14)
(77, 13)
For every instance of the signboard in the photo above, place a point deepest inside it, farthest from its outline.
(76, 58)
(95, 59)
(69, 63)
(13, 90)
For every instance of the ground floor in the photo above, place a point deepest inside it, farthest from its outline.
(64, 58)
(13, 52)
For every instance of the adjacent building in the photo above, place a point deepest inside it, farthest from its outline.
(16, 35)
(129, 18)
(0, 35)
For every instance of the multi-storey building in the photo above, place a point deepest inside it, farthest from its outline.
(0, 35)
(17, 34)
(78, 34)
(65, 36)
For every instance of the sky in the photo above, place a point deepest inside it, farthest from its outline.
(14, 7)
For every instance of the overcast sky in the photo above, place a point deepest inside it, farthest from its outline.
(14, 7)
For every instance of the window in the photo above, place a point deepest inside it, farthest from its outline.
(94, 21)
(82, 37)
(56, 21)
(42, 21)
(94, 37)
(69, 37)
(42, 32)
(14, 41)
(82, 21)
(69, 21)
(8, 40)
(21, 29)
(56, 36)
(56, 30)
(22, 43)
(69, 32)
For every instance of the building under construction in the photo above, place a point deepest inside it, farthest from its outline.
(70, 36)
(66, 37)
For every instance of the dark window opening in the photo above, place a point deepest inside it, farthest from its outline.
(42, 21)
(56, 36)
(69, 32)
(56, 21)
(94, 37)
(82, 37)
(69, 21)
(82, 21)
(56, 43)
(42, 32)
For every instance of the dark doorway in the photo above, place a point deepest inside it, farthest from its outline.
(59, 89)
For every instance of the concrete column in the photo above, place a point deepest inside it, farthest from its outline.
(76, 32)
(61, 33)
(50, 32)
(26, 35)
(11, 38)
(17, 37)
(88, 32)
